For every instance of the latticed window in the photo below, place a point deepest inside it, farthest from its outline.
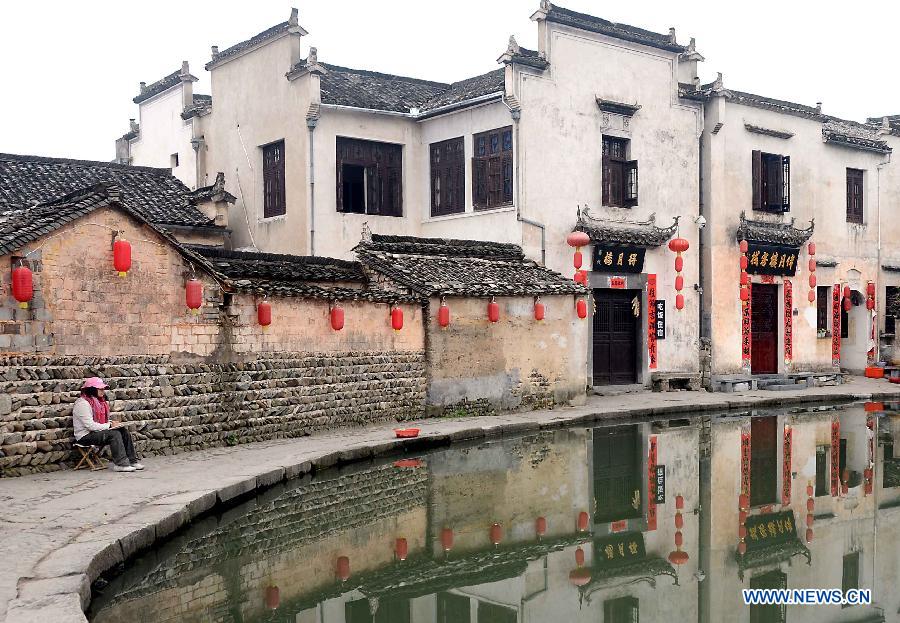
(369, 177)
(854, 196)
(448, 177)
(273, 180)
(492, 169)
(620, 175)
(771, 182)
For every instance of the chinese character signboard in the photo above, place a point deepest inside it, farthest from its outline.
(788, 321)
(618, 259)
(617, 550)
(787, 448)
(836, 325)
(835, 457)
(660, 319)
(651, 485)
(660, 484)
(745, 462)
(651, 320)
(771, 259)
(770, 529)
(746, 338)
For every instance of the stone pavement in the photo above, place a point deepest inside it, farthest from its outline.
(59, 531)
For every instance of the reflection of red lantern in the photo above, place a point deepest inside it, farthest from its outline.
(493, 311)
(578, 259)
(583, 521)
(444, 315)
(679, 538)
(679, 521)
(22, 285)
(538, 310)
(742, 548)
(811, 296)
(122, 256)
(870, 288)
(337, 317)
(540, 526)
(744, 501)
(809, 491)
(742, 516)
(581, 308)
(343, 568)
(811, 247)
(810, 505)
(580, 576)
(193, 295)
(745, 294)
(679, 502)
(809, 519)
(447, 539)
(679, 301)
(264, 313)
(848, 304)
(273, 598)
(742, 531)
(745, 278)
(812, 281)
(396, 319)
(812, 265)
(579, 556)
(745, 263)
(744, 246)
(401, 548)
(847, 292)
(678, 557)
(496, 534)
(809, 535)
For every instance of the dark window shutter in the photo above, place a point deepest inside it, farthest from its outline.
(616, 183)
(373, 190)
(631, 183)
(850, 576)
(394, 202)
(273, 180)
(757, 180)
(507, 181)
(786, 184)
(823, 297)
(854, 196)
(479, 182)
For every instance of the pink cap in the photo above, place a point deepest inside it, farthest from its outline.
(95, 381)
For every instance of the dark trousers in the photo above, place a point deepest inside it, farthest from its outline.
(119, 442)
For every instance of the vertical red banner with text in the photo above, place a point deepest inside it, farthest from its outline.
(788, 321)
(745, 463)
(651, 320)
(746, 339)
(786, 473)
(836, 325)
(651, 485)
(835, 457)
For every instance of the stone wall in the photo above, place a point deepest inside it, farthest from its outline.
(171, 406)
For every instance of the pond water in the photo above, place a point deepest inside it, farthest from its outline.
(663, 520)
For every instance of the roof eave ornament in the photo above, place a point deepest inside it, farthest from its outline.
(366, 236)
(542, 12)
(691, 53)
(294, 26)
(512, 49)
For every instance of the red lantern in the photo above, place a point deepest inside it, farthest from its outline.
(579, 557)
(745, 294)
(679, 283)
(578, 259)
(812, 265)
(745, 278)
(809, 491)
(811, 247)
(540, 526)
(343, 568)
(847, 292)
(809, 519)
(122, 257)
(744, 246)
(809, 535)
(496, 534)
(538, 310)
(679, 263)
(812, 281)
(678, 557)
(447, 539)
(679, 521)
(396, 319)
(679, 539)
(679, 301)
(264, 313)
(583, 521)
(581, 277)
(811, 296)
(444, 316)
(578, 239)
(742, 548)
(742, 517)
(22, 285)
(580, 576)
(848, 304)
(679, 502)
(678, 245)
(742, 531)
(870, 304)
(581, 308)
(493, 311)
(744, 501)
(337, 317)
(273, 598)
(193, 295)
(401, 549)
(744, 262)
(870, 288)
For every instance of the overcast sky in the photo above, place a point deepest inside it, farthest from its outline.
(70, 69)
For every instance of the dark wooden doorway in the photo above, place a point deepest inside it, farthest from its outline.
(617, 473)
(615, 345)
(764, 329)
(769, 613)
(763, 460)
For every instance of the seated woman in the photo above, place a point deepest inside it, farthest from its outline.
(90, 418)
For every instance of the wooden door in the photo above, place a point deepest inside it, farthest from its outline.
(764, 329)
(615, 337)
(768, 613)
(763, 460)
(617, 473)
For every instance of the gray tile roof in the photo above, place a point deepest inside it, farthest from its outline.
(153, 193)
(448, 267)
(360, 88)
(643, 233)
(262, 37)
(532, 58)
(773, 232)
(200, 105)
(590, 23)
(854, 135)
(161, 85)
(471, 88)
(769, 103)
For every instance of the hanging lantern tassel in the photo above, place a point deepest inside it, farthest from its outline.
(122, 256)
(396, 319)
(679, 245)
(22, 285)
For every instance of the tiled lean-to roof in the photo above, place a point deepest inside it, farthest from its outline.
(200, 105)
(161, 85)
(153, 193)
(773, 232)
(267, 35)
(448, 267)
(360, 88)
(590, 23)
(480, 86)
(641, 233)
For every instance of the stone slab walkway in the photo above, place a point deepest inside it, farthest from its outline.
(59, 531)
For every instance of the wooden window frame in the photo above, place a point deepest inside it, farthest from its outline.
(823, 310)
(855, 196)
(274, 198)
(771, 182)
(383, 179)
(448, 176)
(619, 174)
(492, 169)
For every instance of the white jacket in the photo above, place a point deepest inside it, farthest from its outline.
(83, 419)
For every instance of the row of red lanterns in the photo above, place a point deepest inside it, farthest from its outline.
(745, 277)
(810, 508)
(679, 556)
(679, 245)
(811, 248)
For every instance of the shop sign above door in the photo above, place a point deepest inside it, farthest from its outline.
(618, 258)
(771, 259)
